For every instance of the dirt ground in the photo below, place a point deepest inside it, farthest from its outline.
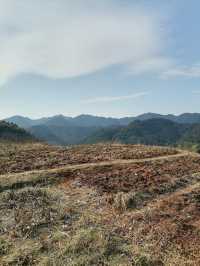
(142, 213)
(15, 158)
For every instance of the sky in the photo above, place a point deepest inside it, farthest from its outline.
(107, 58)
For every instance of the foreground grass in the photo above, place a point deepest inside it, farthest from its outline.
(39, 229)
(144, 214)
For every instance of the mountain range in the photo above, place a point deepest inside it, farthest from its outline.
(148, 128)
(97, 121)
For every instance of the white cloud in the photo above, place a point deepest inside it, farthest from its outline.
(114, 99)
(183, 71)
(65, 38)
(151, 65)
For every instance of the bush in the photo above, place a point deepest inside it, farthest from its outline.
(124, 201)
(146, 261)
(4, 246)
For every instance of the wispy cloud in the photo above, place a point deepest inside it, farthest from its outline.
(65, 38)
(152, 65)
(192, 71)
(114, 99)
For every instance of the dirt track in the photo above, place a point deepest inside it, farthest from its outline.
(106, 163)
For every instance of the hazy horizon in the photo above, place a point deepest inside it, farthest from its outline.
(104, 116)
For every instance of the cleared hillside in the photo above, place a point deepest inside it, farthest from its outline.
(99, 205)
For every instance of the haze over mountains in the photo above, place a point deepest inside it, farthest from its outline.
(149, 128)
(97, 121)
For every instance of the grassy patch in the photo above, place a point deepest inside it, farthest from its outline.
(26, 254)
(5, 246)
(126, 201)
(29, 212)
(93, 246)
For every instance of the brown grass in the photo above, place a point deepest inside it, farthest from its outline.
(15, 158)
(140, 214)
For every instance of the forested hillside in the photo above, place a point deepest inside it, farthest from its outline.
(11, 132)
(151, 132)
(60, 130)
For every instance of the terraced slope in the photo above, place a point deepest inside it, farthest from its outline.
(99, 205)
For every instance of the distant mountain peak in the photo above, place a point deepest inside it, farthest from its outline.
(72, 130)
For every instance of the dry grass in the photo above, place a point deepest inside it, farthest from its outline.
(156, 177)
(15, 158)
(139, 214)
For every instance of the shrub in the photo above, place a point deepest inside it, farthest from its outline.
(146, 261)
(124, 201)
(4, 246)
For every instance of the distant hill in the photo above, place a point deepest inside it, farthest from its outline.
(191, 138)
(148, 128)
(193, 134)
(190, 118)
(107, 134)
(11, 132)
(147, 116)
(61, 135)
(80, 121)
(157, 131)
(96, 121)
(26, 122)
(43, 133)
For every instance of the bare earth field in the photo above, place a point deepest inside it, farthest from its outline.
(17, 158)
(99, 205)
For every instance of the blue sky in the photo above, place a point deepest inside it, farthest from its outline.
(111, 58)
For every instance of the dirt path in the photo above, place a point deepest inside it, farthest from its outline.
(105, 163)
(155, 203)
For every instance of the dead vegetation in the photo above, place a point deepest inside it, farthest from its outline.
(28, 211)
(147, 177)
(168, 229)
(137, 214)
(16, 158)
